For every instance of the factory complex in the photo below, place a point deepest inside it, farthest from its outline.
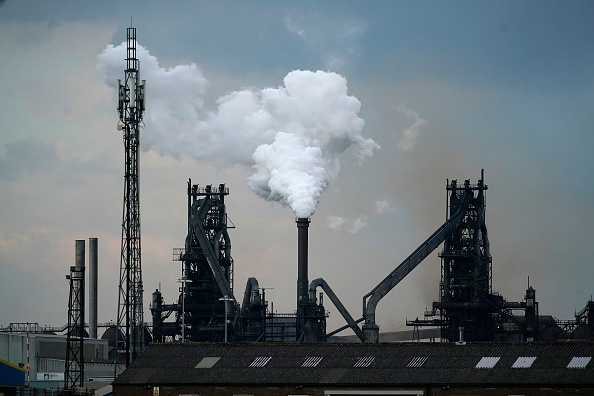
(213, 339)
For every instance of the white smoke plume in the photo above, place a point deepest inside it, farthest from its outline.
(292, 136)
(359, 224)
(383, 207)
(410, 135)
(336, 222)
(289, 172)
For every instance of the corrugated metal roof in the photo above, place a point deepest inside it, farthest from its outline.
(364, 361)
(341, 364)
(333, 376)
(488, 362)
(524, 362)
(260, 361)
(208, 362)
(579, 362)
(312, 361)
(417, 361)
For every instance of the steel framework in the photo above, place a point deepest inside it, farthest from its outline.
(207, 262)
(130, 110)
(74, 365)
(466, 300)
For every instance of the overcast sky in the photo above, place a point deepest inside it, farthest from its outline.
(444, 88)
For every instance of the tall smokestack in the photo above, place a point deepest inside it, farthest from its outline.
(302, 241)
(79, 261)
(93, 253)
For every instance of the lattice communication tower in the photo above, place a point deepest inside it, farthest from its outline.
(131, 109)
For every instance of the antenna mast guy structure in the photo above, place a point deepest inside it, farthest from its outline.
(130, 109)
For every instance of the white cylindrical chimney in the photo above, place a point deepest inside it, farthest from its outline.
(93, 270)
(79, 261)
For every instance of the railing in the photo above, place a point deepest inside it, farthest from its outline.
(178, 254)
(213, 190)
(36, 328)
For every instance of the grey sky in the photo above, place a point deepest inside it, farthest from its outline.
(446, 89)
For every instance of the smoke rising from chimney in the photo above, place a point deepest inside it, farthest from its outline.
(292, 136)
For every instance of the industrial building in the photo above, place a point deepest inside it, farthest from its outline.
(12, 378)
(45, 354)
(324, 369)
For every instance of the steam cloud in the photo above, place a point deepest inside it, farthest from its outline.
(291, 136)
(359, 224)
(410, 135)
(382, 207)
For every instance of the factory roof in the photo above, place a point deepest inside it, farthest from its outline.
(497, 364)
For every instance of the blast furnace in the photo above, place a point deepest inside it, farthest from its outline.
(207, 309)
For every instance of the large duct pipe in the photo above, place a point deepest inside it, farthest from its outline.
(79, 261)
(302, 241)
(93, 253)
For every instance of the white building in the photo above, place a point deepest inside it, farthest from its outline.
(47, 358)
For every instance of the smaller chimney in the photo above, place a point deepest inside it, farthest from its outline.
(79, 261)
(93, 287)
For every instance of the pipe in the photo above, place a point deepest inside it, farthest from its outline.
(370, 329)
(251, 292)
(337, 303)
(93, 297)
(156, 310)
(302, 241)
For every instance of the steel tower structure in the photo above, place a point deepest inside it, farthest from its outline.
(130, 109)
(74, 367)
(466, 303)
(211, 309)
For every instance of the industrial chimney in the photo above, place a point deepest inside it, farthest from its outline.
(302, 281)
(79, 263)
(93, 287)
